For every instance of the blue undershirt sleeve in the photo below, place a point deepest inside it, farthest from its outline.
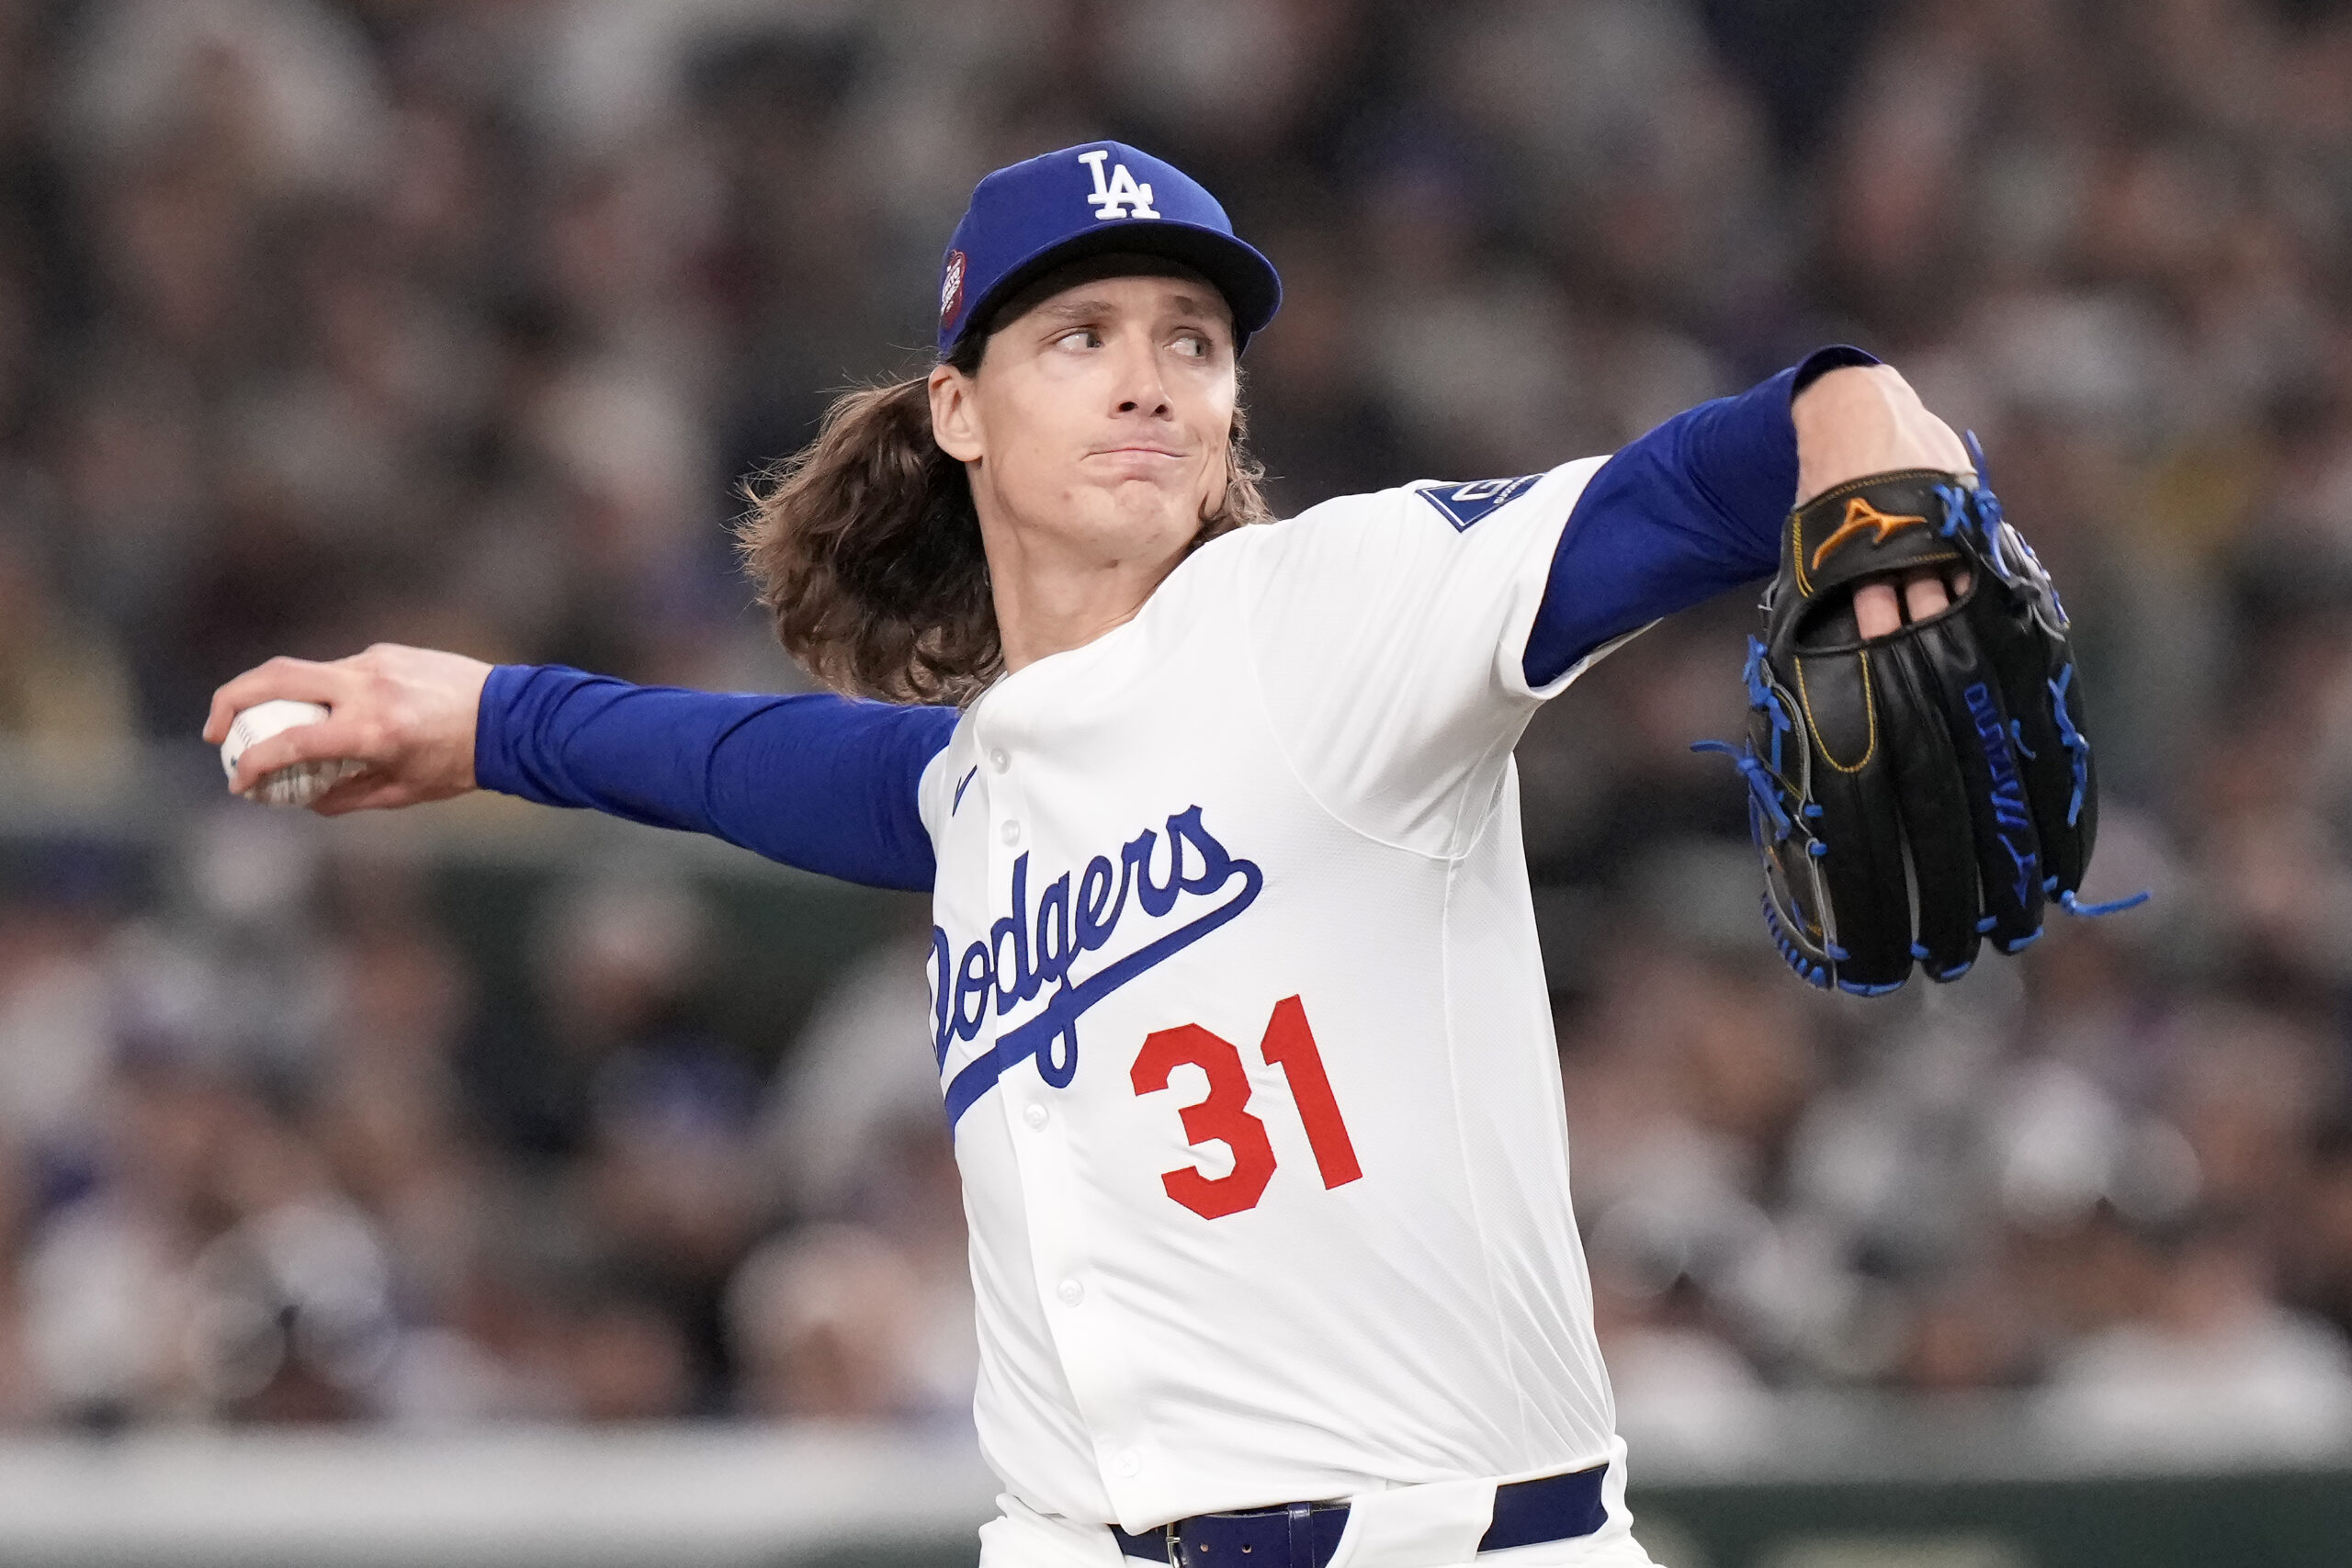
(1676, 518)
(822, 782)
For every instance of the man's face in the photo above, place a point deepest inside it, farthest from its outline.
(1098, 419)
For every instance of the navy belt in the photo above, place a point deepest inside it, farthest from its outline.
(1305, 1535)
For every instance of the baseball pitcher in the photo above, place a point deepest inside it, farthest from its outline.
(1236, 1006)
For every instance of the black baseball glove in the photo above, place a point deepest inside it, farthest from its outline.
(1928, 790)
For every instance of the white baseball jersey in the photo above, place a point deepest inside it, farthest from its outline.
(1243, 1030)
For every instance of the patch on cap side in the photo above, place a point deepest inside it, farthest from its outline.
(951, 289)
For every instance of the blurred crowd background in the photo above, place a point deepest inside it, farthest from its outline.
(462, 322)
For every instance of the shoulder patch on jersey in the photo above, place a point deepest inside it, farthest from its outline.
(1462, 504)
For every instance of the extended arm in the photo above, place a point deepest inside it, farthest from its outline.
(1696, 505)
(821, 783)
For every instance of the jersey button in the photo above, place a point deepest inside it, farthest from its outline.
(1000, 759)
(1010, 833)
(1035, 1115)
(1071, 1293)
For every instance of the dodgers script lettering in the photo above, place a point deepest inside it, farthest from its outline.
(1024, 955)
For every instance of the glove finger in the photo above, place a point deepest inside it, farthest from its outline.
(1777, 766)
(1860, 822)
(2067, 836)
(1937, 826)
(2043, 698)
(2001, 818)
(2021, 625)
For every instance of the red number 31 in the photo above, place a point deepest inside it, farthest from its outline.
(1224, 1118)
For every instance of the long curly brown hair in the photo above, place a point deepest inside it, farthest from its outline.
(866, 549)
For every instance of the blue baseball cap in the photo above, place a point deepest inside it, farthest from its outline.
(1086, 200)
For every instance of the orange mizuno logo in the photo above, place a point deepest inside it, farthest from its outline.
(1860, 515)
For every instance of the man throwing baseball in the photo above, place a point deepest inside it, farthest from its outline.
(1238, 1009)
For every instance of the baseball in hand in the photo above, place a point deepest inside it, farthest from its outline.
(303, 782)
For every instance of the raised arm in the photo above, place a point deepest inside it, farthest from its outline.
(819, 781)
(1696, 505)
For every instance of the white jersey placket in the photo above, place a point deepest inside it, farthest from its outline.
(1040, 1122)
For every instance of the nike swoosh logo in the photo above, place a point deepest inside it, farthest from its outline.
(1057, 1020)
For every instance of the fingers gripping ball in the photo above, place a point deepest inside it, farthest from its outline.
(299, 785)
(1918, 794)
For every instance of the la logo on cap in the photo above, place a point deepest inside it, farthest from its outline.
(1120, 196)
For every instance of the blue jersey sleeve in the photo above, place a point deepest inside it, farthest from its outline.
(822, 782)
(1680, 514)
